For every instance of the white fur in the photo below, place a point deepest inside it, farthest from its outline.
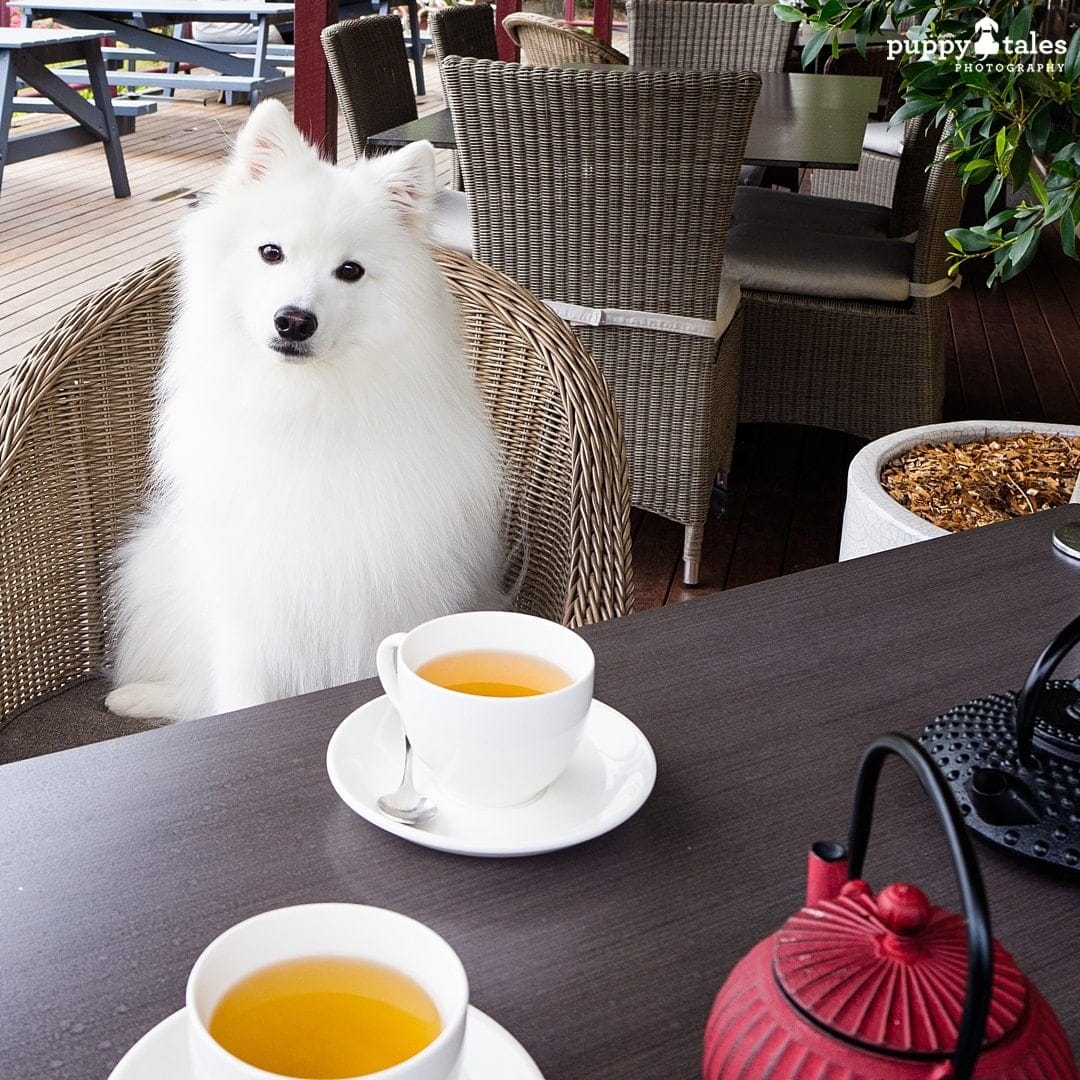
(304, 507)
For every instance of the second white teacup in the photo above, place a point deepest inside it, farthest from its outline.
(485, 748)
(314, 989)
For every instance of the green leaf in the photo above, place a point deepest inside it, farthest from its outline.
(1038, 131)
(913, 108)
(1071, 70)
(968, 239)
(993, 190)
(1068, 232)
(816, 43)
(1020, 27)
(1023, 250)
(789, 13)
(1020, 165)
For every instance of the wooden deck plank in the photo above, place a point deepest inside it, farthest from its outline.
(981, 394)
(1014, 377)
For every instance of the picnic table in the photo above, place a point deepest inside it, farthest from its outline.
(232, 68)
(24, 54)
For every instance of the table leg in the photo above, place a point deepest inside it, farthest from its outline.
(7, 103)
(99, 84)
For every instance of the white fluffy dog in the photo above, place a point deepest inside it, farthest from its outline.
(323, 469)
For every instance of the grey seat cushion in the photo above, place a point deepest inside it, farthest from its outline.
(882, 137)
(774, 258)
(766, 206)
(74, 718)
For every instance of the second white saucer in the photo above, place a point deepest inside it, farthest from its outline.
(607, 781)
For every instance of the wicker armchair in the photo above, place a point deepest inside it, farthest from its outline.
(864, 366)
(708, 36)
(74, 427)
(370, 72)
(464, 30)
(550, 43)
(631, 177)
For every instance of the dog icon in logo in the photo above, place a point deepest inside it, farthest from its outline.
(986, 43)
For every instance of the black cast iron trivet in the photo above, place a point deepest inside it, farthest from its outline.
(1013, 761)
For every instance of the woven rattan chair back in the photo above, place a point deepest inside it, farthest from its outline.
(860, 366)
(631, 178)
(464, 30)
(75, 424)
(707, 36)
(549, 42)
(369, 68)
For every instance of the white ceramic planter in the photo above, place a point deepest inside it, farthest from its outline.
(873, 520)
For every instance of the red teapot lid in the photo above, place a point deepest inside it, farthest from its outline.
(890, 972)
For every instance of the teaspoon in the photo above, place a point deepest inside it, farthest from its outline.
(406, 804)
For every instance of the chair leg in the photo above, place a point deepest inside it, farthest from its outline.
(693, 537)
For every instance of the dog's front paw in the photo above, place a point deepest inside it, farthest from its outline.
(142, 700)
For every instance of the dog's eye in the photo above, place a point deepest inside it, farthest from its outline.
(349, 271)
(271, 253)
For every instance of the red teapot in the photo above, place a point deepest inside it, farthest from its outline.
(887, 987)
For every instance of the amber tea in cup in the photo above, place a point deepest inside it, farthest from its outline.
(327, 992)
(325, 1018)
(494, 673)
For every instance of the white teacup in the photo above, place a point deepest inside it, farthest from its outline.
(489, 751)
(351, 931)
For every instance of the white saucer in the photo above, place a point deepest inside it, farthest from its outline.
(491, 1053)
(607, 780)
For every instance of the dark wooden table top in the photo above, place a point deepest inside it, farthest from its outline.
(121, 861)
(803, 120)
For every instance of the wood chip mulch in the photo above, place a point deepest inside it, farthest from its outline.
(960, 486)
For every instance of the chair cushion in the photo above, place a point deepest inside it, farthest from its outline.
(450, 221)
(766, 206)
(74, 718)
(883, 138)
(774, 258)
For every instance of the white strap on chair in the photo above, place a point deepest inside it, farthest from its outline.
(920, 290)
(727, 305)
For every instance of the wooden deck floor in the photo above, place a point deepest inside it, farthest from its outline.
(1014, 352)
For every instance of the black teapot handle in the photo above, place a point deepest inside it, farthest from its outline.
(968, 877)
(1027, 703)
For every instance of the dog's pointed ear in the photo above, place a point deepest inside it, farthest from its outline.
(268, 138)
(408, 175)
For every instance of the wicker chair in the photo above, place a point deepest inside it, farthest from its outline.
(708, 36)
(464, 30)
(370, 72)
(74, 426)
(550, 43)
(835, 359)
(631, 177)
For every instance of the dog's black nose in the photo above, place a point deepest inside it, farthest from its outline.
(295, 324)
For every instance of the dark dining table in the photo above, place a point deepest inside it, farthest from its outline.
(800, 121)
(122, 860)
